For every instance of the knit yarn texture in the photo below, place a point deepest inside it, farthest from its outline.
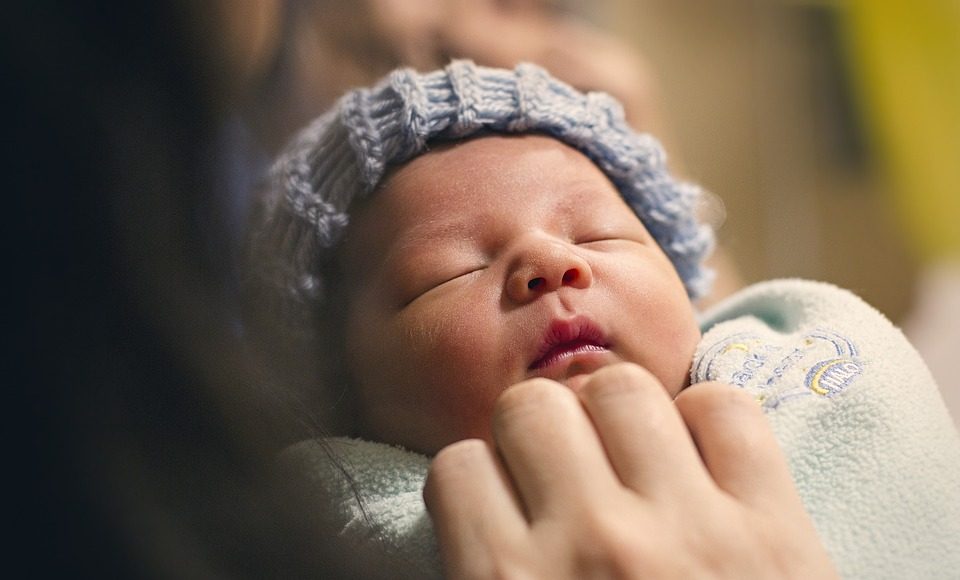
(342, 156)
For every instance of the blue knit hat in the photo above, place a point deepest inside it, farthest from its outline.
(342, 156)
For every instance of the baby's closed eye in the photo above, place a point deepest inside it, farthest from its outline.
(603, 230)
(431, 279)
(603, 240)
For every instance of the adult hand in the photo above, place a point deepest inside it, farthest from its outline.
(618, 481)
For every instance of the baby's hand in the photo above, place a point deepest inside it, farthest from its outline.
(617, 481)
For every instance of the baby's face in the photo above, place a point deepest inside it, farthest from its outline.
(484, 263)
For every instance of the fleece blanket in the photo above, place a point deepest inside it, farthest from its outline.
(872, 450)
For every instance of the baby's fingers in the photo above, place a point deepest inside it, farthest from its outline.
(737, 444)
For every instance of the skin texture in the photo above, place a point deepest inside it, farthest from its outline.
(474, 260)
(617, 480)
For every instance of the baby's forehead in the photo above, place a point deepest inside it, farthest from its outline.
(489, 164)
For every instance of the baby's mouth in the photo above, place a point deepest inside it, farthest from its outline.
(565, 339)
(566, 350)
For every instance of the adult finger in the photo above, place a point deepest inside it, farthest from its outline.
(644, 435)
(474, 508)
(550, 448)
(736, 443)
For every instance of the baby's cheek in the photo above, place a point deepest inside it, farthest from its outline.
(675, 338)
(463, 363)
(661, 326)
(456, 337)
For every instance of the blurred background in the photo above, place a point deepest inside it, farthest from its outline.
(827, 131)
(827, 128)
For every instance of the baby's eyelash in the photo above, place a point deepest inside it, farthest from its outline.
(609, 243)
(433, 286)
(598, 239)
(461, 275)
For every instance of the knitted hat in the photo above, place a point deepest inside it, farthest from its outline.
(342, 156)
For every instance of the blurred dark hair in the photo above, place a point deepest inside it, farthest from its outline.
(139, 418)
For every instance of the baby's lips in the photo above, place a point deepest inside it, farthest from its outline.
(568, 350)
(567, 337)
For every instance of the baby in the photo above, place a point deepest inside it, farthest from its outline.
(464, 230)
(487, 262)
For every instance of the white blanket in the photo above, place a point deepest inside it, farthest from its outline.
(873, 452)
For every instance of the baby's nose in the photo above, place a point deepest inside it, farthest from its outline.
(546, 266)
